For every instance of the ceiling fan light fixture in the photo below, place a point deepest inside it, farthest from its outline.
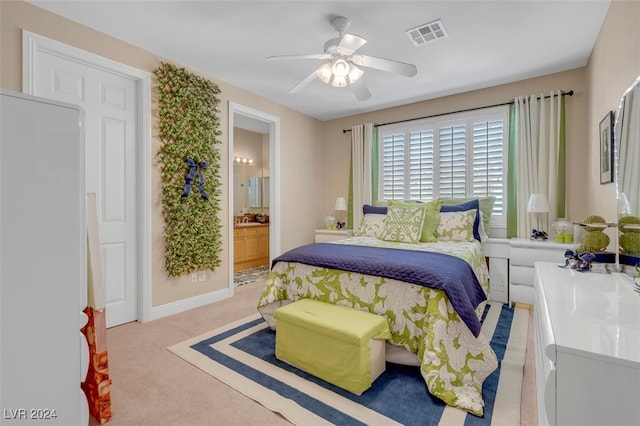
(339, 81)
(354, 74)
(340, 68)
(325, 73)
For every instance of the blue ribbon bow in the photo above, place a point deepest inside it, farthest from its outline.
(539, 235)
(193, 166)
(579, 262)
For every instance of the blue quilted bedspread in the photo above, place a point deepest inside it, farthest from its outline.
(436, 270)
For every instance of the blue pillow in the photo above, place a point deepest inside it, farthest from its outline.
(469, 205)
(367, 209)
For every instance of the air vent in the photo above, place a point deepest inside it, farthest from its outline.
(427, 33)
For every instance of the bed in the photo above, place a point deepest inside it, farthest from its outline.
(454, 357)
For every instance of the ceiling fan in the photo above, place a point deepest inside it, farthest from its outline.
(342, 62)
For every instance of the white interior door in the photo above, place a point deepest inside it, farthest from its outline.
(110, 102)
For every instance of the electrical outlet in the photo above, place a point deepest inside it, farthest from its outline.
(194, 277)
(202, 275)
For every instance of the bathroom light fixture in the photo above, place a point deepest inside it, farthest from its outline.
(242, 160)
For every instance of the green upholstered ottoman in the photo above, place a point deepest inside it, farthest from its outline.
(340, 345)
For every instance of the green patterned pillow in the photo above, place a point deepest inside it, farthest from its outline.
(431, 219)
(486, 206)
(456, 226)
(371, 225)
(403, 224)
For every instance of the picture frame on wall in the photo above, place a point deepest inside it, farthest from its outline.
(606, 149)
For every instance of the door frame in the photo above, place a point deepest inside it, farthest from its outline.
(32, 43)
(273, 124)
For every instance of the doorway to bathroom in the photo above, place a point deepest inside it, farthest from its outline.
(254, 199)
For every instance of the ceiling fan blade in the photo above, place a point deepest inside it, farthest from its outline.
(350, 43)
(387, 65)
(360, 90)
(303, 83)
(312, 56)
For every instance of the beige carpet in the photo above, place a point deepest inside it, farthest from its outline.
(151, 386)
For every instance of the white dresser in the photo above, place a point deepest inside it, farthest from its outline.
(524, 253)
(587, 347)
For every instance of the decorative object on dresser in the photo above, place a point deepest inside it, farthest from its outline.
(587, 347)
(524, 253)
(538, 203)
(562, 230)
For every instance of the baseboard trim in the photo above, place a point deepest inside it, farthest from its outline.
(161, 311)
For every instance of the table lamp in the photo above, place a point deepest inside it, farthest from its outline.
(341, 206)
(538, 203)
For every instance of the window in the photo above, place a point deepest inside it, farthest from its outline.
(453, 155)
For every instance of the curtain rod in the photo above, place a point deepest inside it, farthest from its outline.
(569, 93)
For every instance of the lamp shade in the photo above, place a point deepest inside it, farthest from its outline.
(538, 203)
(341, 204)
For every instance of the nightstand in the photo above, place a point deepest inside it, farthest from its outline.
(326, 235)
(524, 254)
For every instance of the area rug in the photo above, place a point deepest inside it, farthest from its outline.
(241, 355)
(248, 276)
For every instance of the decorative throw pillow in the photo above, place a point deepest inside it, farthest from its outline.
(403, 224)
(483, 234)
(367, 208)
(472, 204)
(486, 207)
(456, 226)
(371, 225)
(428, 234)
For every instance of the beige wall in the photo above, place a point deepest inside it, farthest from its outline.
(301, 143)
(614, 64)
(337, 167)
(315, 155)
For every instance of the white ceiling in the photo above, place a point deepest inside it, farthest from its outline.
(489, 43)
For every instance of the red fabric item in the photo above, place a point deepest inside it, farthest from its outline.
(97, 384)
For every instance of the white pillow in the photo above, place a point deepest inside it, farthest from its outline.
(456, 226)
(371, 225)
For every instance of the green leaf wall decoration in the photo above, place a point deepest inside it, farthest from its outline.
(189, 128)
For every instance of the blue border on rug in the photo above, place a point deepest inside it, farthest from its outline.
(400, 393)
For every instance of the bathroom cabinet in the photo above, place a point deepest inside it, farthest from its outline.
(251, 246)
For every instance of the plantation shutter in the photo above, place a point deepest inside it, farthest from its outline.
(453, 170)
(488, 162)
(393, 167)
(421, 165)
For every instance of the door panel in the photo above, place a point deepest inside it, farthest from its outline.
(109, 101)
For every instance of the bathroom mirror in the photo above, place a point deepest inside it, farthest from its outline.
(627, 139)
(628, 144)
(258, 192)
(251, 189)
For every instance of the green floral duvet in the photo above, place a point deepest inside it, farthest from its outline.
(454, 363)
